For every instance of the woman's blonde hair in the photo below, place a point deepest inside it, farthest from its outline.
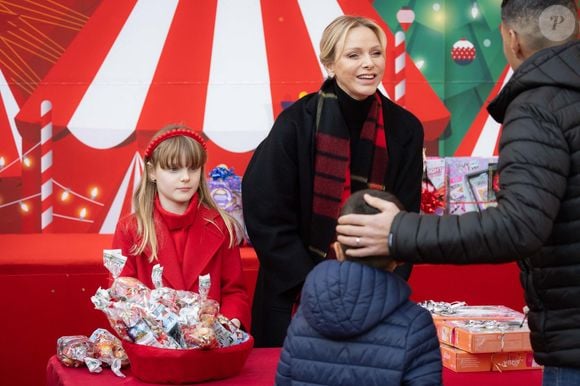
(335, 34)
(174, 152)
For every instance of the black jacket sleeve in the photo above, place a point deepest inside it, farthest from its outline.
(534, 163)
(272, 196)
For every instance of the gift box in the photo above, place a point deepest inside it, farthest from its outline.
(462, 361)
(507, 361)
(485, 336)
(179, 366)
(460, 311)
(434, 186)
(469, 183)
(225, 188)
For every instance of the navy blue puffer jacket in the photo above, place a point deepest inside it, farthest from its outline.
(356, 326)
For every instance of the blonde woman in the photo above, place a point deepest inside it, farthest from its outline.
(344, 138)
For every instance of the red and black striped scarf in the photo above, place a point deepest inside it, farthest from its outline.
(331, 161)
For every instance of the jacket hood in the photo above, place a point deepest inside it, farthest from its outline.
(341, 300)
(552, 67)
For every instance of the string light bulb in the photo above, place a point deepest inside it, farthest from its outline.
(65, 195)
(94, 192)
(2, 162)
(24, 207)
(27, 162)
(83, 213)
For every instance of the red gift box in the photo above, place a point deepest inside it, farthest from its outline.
(178, 366)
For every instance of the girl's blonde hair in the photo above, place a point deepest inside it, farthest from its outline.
(335, 34)
(174, 152)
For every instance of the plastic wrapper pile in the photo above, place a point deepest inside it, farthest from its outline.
(163, 317)
(101, 348)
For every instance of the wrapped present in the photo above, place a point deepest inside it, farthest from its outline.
(441, 311)
(508, 361)
(485, 336)
(434, 186)
(225, 187)
(462, 361)
(469, 180)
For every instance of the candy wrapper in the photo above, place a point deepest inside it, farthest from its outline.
(166, 318)
(108, 348)
(101, 348)
(225, 188)
(72, 350)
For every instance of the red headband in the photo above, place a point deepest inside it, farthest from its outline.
(170, 134)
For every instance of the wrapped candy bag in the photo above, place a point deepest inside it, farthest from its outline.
(200, 333)
(108, 348)
(71, 351)
(225, 187)
(163, 317)
(100, 348)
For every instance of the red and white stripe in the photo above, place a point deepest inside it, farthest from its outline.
(45, 164)
(220, 66)
(400, 78)
(11, 139)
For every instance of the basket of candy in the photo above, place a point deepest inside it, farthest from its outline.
(171, 336)
(175, 366)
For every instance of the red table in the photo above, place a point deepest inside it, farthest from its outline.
(258, 370)
(261, 368)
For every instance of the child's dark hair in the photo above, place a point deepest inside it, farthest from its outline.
(356, 204)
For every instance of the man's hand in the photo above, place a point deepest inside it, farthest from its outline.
(367, 235)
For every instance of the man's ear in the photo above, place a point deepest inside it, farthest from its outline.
(338, 251)
(516, 44)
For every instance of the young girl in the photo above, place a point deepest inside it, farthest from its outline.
(179, 226)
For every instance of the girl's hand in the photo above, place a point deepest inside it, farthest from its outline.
(236, 322)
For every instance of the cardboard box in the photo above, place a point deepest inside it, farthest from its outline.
(485, 336)
(508, 361)
(462, 361)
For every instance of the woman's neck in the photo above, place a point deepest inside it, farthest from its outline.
(354, 111)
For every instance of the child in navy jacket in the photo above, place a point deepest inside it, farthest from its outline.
(356, 325)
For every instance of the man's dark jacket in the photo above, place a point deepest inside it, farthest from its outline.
(537, 219)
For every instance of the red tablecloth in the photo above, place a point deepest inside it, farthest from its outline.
(260, 369)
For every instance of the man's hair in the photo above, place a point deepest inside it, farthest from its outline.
(356, 204)
(524, 17)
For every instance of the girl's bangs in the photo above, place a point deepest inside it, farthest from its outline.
(179, 152)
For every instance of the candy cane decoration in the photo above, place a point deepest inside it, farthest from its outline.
(400, 82)
(405, 17)
(45, 164)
